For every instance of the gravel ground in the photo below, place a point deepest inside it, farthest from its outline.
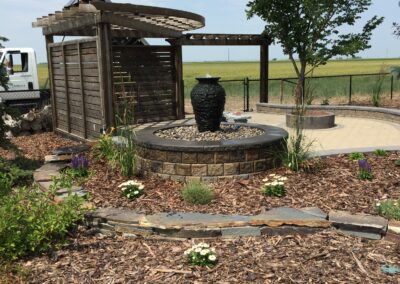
(190, 133)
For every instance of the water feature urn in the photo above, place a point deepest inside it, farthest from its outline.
(208, 101)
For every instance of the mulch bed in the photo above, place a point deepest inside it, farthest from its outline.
(335, 186)
(37, 146)
(326, 257)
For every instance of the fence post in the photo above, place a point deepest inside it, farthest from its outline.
(244, 94)
(350, 88)
(247, 94)
(391, 87)
(282, 90)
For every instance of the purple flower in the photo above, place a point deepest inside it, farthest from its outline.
(364, 166)
(79, 161)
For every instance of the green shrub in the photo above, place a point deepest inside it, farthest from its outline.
(31, 222)
(19, 170)
(197, 193)
(132, 189)
(380, 152)
(356, 156)
(389, 209)
(397, 163)
(6, 183)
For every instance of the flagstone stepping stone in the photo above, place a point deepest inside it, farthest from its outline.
(289, 230)
(315, 211)
(118, 215)
(74, 188)
(181, 220)
(57, 158)
(40, 176)
(52, 167)
(394, 227)
(360, 225)
(71, 150)
(241, 232)
(289, 216)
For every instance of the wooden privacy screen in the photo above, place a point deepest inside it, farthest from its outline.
(78, 106)
(144, 79)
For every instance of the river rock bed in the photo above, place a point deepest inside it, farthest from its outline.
(191, 133)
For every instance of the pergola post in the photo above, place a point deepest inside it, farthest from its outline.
(264, 73)
(180, 100)
(49, 40)
(105, 72)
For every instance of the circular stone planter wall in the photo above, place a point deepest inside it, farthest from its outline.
(313, 120)
(209, 160)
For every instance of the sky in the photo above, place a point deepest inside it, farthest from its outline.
(222, 16)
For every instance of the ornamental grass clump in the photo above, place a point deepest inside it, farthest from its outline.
(380, 152)
(389, 209)
(274, 185)
(197, 193)
(365, 170)
(201, 255)
(132, 189)
(356, 156)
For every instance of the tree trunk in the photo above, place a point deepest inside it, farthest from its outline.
(299, 92)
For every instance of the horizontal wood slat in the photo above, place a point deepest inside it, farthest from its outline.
(78, 110)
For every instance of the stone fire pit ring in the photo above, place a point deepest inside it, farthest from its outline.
(313, 120)
(209, 161)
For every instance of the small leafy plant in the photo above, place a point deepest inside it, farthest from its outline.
(197, 193)
(380, 152)
(365, 170)
(356, 156)
(389, 209)
(201, 255)
(104, 148)
(274, 186)
(132, 189)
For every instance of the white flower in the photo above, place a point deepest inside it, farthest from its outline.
(203, 245)
(277, 177)
(274, 183)
(197, 250)
(283, 178)
(187, 252)
(266, 179)
(272, 175)
(212, 250)
(136, 192)
(378, 204)
(204, 252)
(280, 183)
(212, 257)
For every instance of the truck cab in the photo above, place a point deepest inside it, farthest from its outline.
(21, 67)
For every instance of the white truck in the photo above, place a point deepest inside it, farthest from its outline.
(23, 84)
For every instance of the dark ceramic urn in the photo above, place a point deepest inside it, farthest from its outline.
(208, 101)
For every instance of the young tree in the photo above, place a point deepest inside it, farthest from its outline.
(312, 30)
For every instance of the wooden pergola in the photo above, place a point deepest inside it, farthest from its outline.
(92, 78)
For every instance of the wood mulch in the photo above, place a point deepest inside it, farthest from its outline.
(37, 146)
(335, 186)
(325, 257)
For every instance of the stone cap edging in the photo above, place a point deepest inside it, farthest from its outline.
(366, 150)
(272, 135)
(336, 107)
(277, 221)
(386, 114)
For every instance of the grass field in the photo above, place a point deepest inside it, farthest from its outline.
(326, 88)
